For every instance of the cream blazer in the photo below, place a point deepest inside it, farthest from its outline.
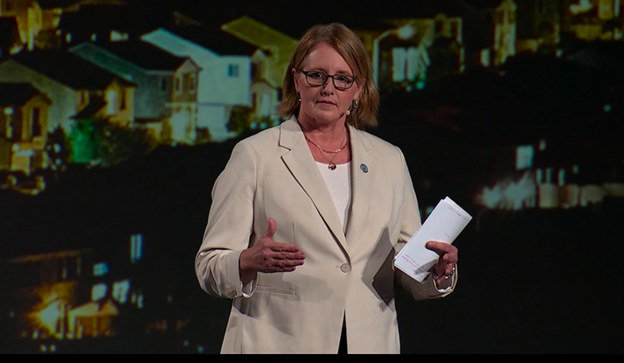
(350, 275)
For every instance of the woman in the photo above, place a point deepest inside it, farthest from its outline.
(307, 216)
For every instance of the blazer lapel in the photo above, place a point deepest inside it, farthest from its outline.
(363, 173)
(302, 166)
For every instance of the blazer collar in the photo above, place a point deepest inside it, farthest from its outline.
(302, 166)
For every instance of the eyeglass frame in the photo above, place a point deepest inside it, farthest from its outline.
(332, 76)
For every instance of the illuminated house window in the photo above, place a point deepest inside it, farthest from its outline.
(116, 36)
(111, 102)
(524, 157)
(549, 175)
(406, 64)
(47, 348)
(232, 70)
(120, 291)
(100, 269)
(606, 9)
(98, 291)
(136, 248)
(485, 57)
(413, 63)
(265, 104)
(8, 127)
(399, 59)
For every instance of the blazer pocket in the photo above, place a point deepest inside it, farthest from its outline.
(276, 290)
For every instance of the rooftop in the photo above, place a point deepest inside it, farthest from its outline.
(67, 68)
(214, 39)
(142, 54)
(14, 94)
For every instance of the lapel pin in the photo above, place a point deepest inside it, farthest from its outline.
(364, 168)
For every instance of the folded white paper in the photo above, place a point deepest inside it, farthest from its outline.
(444, 224)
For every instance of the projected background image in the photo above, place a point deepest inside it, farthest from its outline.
(116, 117)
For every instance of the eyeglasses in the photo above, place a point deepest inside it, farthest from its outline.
(342, 82)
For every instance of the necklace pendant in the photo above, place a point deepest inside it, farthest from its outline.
(331, 166)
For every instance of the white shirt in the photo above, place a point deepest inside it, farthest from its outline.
(339, 184)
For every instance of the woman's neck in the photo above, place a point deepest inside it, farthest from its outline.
(326, 133)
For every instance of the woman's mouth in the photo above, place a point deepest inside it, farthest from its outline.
(328, 103)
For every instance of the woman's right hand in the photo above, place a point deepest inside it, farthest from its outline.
(269, 256)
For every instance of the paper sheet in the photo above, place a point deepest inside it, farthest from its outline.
(444, 224)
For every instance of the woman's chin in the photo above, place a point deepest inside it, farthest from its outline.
(327, 115)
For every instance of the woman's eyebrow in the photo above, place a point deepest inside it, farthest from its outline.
(321, 69)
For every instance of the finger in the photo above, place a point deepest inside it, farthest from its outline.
(287, 263)
(440, 269)
(449, 259)
(287, 255)
(285, 248)
(441, 279)
(439, 247)
(442, 248)
(450, 270)
(270, 229)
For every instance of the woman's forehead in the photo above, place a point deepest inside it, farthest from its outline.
(325, 58)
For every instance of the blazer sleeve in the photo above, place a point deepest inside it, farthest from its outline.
(410, 223)
(230, 225)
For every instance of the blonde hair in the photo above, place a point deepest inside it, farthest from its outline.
(351, 48)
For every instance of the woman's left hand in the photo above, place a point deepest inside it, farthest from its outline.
(445, 268)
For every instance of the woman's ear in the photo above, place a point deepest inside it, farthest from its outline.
(295, 80)
(358, 93)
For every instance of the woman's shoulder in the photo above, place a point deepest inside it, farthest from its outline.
(373, 141)
(263, 137)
